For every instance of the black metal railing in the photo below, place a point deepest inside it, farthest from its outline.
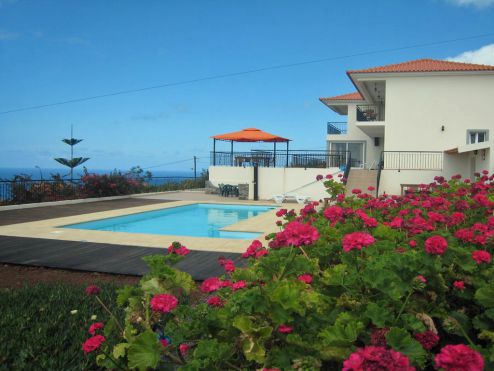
(292, 158)
(412, 160)
(337, 128)
(23, 191)
(370, 112)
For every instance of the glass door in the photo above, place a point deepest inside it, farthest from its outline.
(357, 154)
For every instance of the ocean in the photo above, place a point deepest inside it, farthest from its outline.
(159, 176)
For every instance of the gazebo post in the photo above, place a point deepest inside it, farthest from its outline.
(274, 159)
(287, 153)
(214, 151)
(231, 151)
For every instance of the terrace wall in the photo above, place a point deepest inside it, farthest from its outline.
(274, 181)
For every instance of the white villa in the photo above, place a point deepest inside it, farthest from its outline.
(416, 119)
(406, 123)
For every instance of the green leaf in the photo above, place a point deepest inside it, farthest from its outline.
(378, 314)
(145, 351)
(103, 361)
(120, 349)
(344, 332)
(401, 341)
(288, 295)
(485, 296)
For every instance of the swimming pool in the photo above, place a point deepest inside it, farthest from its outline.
(197, 220)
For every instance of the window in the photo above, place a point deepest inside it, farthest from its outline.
(477, 136)
(355, 149)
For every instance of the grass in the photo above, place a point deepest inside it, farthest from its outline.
(38, 332)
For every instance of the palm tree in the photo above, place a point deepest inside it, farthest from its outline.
(73, 161)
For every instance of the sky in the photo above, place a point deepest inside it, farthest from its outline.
(56, 51)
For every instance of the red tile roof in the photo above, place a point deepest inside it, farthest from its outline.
(350, 96)
(426, 65)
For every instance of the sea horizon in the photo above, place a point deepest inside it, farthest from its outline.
(7, 173)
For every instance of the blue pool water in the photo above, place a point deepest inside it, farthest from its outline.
(197, 220)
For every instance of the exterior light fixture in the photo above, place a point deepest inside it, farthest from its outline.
(442, 128)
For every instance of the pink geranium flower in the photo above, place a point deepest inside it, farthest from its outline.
(459, 357)
(163, 303)
(428, 339)
(211, 284)
(307, 278)
(436, 245)
(284, 329)
(92, 290)
(481, 256)
(95, 327)
(93, 343)
(459, 285)
(215, 301)
(377, 358)
(357, 240)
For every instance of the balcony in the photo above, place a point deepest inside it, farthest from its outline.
(291, 158)
(337, 128)
(370, 112)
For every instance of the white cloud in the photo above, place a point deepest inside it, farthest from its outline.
(6, 35)
(484, 55)
(475, 3)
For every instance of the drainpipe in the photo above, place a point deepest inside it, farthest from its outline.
(256, 182)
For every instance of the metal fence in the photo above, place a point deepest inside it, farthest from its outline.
(23, 191)
(370, 112)
(412, 160)
(337, 128)
(293, 158)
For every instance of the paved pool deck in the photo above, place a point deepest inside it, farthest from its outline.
(33, 236)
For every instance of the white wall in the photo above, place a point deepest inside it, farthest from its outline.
(416, 109)
(274, 181)
(354, 134)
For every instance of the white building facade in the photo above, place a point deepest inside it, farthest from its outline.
(416, 120)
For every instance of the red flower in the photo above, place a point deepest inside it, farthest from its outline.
(163, 303)
(333, 213)
(373, 358)
(93, 343)
(183, 348)
(228, 264)
(284, 329)
(436, 245)
(307, 278)
(459, 357)
(296, 234)
(238, 285)
(95, 327)
(211, 284)
(178, 249)
(412, 243)
(319, 177)
(92, 290)
(460, 285)
(215, 301)
(164, 342)
(428, 339)
(357, 240)
(421, 278)
(481, 256)
(378, 336)
(281, 212)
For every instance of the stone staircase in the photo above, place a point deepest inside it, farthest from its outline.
(361, 179)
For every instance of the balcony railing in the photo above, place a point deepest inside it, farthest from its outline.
(292, 158)
(370, 112)
(412, 160)
(336, 128)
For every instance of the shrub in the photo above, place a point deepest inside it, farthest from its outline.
(386, 283)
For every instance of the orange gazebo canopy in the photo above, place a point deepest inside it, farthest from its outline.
(251, 135)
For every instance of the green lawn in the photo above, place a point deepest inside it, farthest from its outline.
(38, 332)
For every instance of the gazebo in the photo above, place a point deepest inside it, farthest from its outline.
(250, 135)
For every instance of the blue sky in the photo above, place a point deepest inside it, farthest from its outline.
(53, 51)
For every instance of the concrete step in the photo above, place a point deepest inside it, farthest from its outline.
(361, 179)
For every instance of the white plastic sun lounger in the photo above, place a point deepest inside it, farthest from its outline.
(301, 199)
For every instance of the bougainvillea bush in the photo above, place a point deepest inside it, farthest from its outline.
(388, 283)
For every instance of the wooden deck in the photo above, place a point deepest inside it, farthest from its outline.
(94, 257)
(59, 211)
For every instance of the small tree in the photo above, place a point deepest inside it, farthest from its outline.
(73, 162)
